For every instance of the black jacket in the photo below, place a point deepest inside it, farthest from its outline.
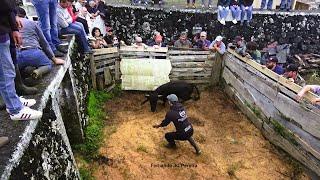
(178, 116)
(224, 3)
(7, 16)
(234, 2)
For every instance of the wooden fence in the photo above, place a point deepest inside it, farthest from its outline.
(191, 65)
(104, 67)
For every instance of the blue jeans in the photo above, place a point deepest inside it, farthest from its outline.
(77, 29)
(223, 12)
(244, 11)
(235, 11)
(33, 57)
(263, 4)
(7, 75)
(47, 12)
(285, 4)
(203, 2)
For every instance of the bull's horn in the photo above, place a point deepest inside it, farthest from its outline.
(160, 95)
(147, 95)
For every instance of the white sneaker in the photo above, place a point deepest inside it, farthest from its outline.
(223, 22)
(234, 21)
(202, 6)
(27, 102)
(26, 114)
(210, 6)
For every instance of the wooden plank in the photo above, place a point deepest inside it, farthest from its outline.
(126, 54)
(196, 81)
(100, 70)
(190, 64)
(93, 72)
(191, 70)
(308, 120)
(280, 79)
(107, 76)
(179, 52)
(148, 49)
(189, 58)
(106, 56)
(104, 63)
(117, 70)
(105, 51)
(202, 74)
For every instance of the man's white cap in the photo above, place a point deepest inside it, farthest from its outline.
(219, 38)
(203, 33)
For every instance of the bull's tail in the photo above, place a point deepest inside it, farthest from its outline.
(197, 96)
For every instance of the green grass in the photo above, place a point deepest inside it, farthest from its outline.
(142, 148)
(85, 174)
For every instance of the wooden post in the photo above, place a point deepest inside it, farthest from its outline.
(117, 70)
(216, 69)
(93, 72)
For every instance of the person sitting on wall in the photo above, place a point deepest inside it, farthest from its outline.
(35, 51)
(246, 8)
(263, 4)
(93, 9)
(291, 73)
(75, 16)
(223, 10)
(239, 45)
(286, 5)
(203, 5)
(235, 10)
(138, 43)
(313, 88)
(273, 65)
(102, 9)
(157, 42)
(218, 46)
(189, 5)
(203, 43)
(98, 41)
(67, 27)
(253, 52)
(183, 41)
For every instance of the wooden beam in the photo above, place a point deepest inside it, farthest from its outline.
(93, 72)
(105, 51)
(148, 49)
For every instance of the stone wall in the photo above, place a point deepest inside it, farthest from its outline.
(40, 149)
(297, 28)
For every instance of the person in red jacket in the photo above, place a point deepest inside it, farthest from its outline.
(74, 16)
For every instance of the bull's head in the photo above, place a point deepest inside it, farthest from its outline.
(153, 99)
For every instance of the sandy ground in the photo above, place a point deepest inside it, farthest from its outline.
(232, 148)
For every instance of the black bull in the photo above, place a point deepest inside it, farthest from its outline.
(181, 89)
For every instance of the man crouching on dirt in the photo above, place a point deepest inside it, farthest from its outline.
(178, 116)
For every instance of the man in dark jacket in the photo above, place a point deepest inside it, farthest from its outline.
(178, 116)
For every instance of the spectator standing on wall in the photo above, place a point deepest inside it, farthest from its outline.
(312, 88)
(218, 46)
(183, 41)
(223, 10)
(263, 4)
(47, 13)
(246, 8)
(235, 10)
(203, 43)
(15, 105)
(253, 52)
(286, 5)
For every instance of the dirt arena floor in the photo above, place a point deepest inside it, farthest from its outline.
(232, 148)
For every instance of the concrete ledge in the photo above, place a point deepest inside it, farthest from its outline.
(40, 149)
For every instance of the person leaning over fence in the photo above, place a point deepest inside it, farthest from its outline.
(157, 41)
(202, 42)
(235, 10)
(98, 41)
(138, 43)
(218, 46)
(18, 108)
(273, 65)
(183, 41)
(223, 10)
(291, 73)
(246, 8)
(239, 45)
(313, 88)
(35, 51)
(253, 52)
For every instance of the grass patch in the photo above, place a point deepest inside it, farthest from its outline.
(142, 148)
(233, 168)
(85, 174)
(283, 132)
